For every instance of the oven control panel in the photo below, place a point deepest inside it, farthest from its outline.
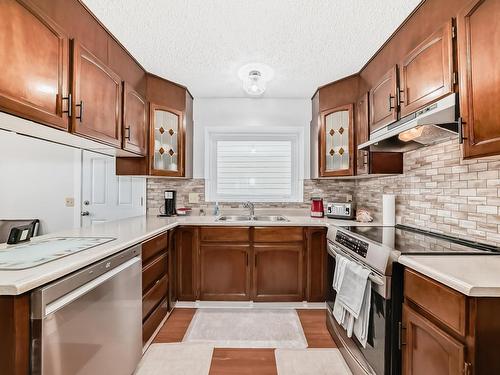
(353, 244)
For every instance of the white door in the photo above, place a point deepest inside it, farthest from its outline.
(106, 196)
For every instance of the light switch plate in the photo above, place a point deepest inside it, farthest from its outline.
(69, 202)
(194, 198)
(349, 197)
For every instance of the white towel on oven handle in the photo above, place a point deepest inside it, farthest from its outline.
(351, 293)
(361, 325)
(343, 318)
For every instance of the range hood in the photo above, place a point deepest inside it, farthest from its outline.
(433, 124)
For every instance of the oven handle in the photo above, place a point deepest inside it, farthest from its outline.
(374, 278)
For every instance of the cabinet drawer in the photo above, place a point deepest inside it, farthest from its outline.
(153, 321)
(445, 304)
(154, 271)
(225, 234)
(153, 247)
(278, 234)
(153, 296)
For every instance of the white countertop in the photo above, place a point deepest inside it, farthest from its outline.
(472, 275)
(127, 232)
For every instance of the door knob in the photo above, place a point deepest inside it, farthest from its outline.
(85, 213)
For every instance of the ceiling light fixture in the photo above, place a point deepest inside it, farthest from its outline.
(254, 85)
(254, 77)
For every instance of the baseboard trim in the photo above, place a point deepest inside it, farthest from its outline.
(249, 305)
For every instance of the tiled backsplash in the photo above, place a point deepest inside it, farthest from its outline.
(441, 192)
(438, 191)
(328, 189)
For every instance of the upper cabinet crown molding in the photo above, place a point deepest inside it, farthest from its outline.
(34, 56)
(478, 40)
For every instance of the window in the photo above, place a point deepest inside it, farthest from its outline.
(259, 167)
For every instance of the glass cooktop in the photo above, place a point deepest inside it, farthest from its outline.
(409, 240)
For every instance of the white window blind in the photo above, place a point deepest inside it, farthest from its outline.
(258, 168)
(262, 166)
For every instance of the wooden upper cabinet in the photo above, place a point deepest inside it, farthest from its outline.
(362, 134)
(383, 105)
(166, 144)
(34, 60)
(426, 73)
(428, 349)
(97, 98)
(134, 121)
(337, 142)
(479, 56)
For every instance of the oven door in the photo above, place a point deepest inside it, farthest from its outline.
(375, 358)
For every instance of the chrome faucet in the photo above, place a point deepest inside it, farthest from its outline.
(251, 207)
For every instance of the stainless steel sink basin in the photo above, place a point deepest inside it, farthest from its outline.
(271, 218)
(234, 218)
(254, 218)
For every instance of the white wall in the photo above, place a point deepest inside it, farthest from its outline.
(242, 112)
(35, 178)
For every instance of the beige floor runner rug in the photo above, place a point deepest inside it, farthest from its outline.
(176, 359)
(310, 361)
(247, 328)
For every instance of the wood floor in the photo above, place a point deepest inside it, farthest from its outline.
(247, 361)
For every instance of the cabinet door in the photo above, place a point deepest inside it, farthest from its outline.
(166, 141)
(224, 272)
(316, 265)
(362, 134)
(426, 73)
(337, 142)
(97, 98)
(278, 272)
(383, 106)
(186, 253)
(134, 121)
(479, 54)
(34, 62)
(429, 350)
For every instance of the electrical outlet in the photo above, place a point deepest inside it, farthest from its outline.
(194, 198)
(349, 197)
(69, 202)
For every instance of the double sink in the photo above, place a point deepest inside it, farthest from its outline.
(253, 218)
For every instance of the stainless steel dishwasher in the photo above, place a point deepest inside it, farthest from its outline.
(90, 322)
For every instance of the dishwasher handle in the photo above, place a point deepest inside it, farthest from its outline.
(77, 293)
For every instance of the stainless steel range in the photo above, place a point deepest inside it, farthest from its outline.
(378, 249)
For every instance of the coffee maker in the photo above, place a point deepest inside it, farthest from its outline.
(169, 203)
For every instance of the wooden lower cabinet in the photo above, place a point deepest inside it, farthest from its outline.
(429, 350)
(278, 273)
(224, 272)
(445, 332)
(155, 283)
(273, 264)
(316, 262)
(186, 253)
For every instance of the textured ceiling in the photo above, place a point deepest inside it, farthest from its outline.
(203, 43)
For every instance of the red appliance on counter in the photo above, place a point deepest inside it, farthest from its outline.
(317, 209)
